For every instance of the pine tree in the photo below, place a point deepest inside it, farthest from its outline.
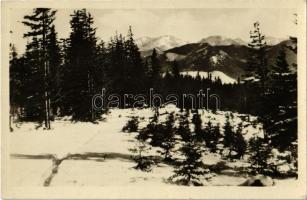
(282, 65)
(16, 82)
(168, 140)
(33, 82)
(229, 137)
(151, 128)
(212, 136)
(40, 23)
(280, 121)
(126, 72)
(190, 169)
(257, 63)
(54, 76)
(260, 151)
(135, 69)
(100, 77)
(184, 125)
(175, 69)
(155, 68)
(117, 69)
(216, 136)
(240, 144)
(199, 133)
(132, 125)
(79, 84)
(140, 151)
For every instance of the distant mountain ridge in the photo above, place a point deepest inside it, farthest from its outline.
(166, 42)
(217, 40)
(213, 53)
(161, 43)
(230, 59)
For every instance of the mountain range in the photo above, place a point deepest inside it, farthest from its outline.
(212, 53)
(165, 42)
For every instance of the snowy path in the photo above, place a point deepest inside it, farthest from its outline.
(56, 162)
(107, 163)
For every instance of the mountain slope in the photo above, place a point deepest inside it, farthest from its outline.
(230, 59)
(204, 57)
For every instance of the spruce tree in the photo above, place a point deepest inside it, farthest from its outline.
(151, 128)
(175, 69)
(33, 82)
(190, 169)
(184, 125)
(212, 136)
(135, 68)
(229, 137)
(116, 65)
(281, 121)
(140, 156)
(155, 68)
(197, 122)
(16, 82)
(168, 140)
(41, 23)
(79, 83)
(257, 63)
(260, 153)
(240, 144)
(54, 76)
(132, 125)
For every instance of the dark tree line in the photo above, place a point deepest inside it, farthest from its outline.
(59, 77)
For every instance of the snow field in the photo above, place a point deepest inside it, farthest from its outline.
(98, 154)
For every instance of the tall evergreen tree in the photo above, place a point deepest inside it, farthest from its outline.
(80, 70)
(135, 68)
(54, 76)
(258, 60)
(280, 122)
(16, 82)
(116, 70)
(175, 69)
(40, 23)
(33, 82)
(155, 68)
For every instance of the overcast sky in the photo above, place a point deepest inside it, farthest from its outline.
(186, 24)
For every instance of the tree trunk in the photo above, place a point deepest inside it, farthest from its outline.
(47, 100)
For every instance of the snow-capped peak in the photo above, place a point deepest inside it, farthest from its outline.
(217, 40)
(161, 43)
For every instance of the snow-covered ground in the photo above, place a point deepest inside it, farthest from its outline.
(87, 154)
(215, 74)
